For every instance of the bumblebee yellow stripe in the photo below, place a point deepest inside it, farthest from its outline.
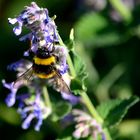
(45, 76)
(44, 61)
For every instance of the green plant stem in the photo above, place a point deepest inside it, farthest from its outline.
(72, 70)
(69, 61)
(122, 9)
(88, 102)
(46, 97)
(90, 107)
(107, 134)
(85, 97)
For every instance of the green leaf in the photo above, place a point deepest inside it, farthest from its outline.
(106, 83)
(72, 34)
(95, 30)
(31, 135)
(114, 111)
(78, 83)
(61, 109)
(76, 66)
(130, 129)
(65, 138)
(9, 115)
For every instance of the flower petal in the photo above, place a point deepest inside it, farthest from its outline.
(70, 97)
(10, 100)
(38, 125)
(27, 121)
(12, 20)
(17, 30)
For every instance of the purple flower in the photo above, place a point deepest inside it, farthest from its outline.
(21, 66)
(70, 97)
(61, 52)
(43, 33)
(33, 109)
(36, 19)
(17, 30)
(39, 123)
(11, 98)
(27, 121)
(42, 27)
(86, 125)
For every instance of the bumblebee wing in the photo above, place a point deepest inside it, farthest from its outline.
(61, 84)
(23, 78)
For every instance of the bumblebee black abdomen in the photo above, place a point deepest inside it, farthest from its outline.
(44, 71)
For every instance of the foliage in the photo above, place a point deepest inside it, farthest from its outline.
(103, 64)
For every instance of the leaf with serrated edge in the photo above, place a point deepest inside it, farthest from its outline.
(114, 111)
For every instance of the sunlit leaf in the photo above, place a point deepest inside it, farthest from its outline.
(78, 83)
(114, 111)
(129, 129)
(9, 115)
(94, 29)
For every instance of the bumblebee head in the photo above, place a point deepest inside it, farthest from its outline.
(43, 52)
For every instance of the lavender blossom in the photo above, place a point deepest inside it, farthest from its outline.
(33, 108)
(43, 34)
(36, 19)
(71, 98)
(11, 98)
(61, 52)
(86, 125)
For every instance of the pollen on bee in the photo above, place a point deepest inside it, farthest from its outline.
(42, 42)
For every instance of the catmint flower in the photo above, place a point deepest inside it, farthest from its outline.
(71, 98)
(17, 30)
(11, 98)
(61, 52)
(42, 34)
(31, 17)
(86, 126)
(43, 28)
(21, 66)
(33, 108)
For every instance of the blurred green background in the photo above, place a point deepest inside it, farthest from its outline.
(107, 35)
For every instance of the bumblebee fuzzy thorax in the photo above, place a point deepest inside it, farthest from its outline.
(43, 53)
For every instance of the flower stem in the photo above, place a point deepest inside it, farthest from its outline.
(69, 61)
(122, 9)
(46, 97)
(87, 101)
(72, 70)
(107, 134)
(90, 107)
(85, 97)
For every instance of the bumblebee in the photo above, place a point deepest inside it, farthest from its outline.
(44, 64)
(44, 67)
